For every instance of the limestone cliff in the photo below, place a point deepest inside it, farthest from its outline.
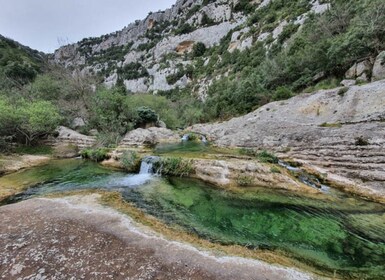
(154, 54)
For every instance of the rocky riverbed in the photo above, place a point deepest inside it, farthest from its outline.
(77, 237)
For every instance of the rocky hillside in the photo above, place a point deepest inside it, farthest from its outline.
(18, 64)
(165, 50)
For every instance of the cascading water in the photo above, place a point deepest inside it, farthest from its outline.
(305, 178)
(146, 168)
(146, 173)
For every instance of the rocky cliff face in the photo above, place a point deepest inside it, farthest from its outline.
(155, 53)
(338, 132)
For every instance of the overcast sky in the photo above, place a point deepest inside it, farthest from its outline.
(46, 24)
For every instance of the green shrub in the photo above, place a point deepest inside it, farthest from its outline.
(248, 152)
(244, 180)
(146, 115)
(342, 91)
(174, 167)
(132, 71)
(265, 156)
(336, 125)
(361, 141)
(96, 154)
(199, 49)
(130, 161)
(109, 139)
(275, 169)
(184, 29)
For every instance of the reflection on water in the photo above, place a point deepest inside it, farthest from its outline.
(337, 233)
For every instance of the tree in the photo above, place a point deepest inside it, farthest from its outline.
(199, 49)
(27, 121)
(145, 116)
(37, 119)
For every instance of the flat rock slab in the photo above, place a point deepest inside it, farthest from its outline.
(77, 238)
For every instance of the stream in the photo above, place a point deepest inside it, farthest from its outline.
(337, 232)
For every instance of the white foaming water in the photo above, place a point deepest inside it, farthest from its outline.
(145, 168)
(133, 180)
(185, 137)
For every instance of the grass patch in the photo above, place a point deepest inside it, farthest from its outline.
(337, 125)
(174, 166)
(130, 161)
(244, 180)
(342, 91)
(97, 155)
(34, 150)
(275, 169)
(267, 157)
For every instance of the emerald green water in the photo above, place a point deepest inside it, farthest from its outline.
(335, 232)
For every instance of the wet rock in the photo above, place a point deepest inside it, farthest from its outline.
(229, 172)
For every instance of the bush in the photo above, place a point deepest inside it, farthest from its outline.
(174, 167)
(145, 116)
(361, 141)
(130, 161)
(267, 157)
(97, 154)
(275, 169)
(199, 49)
(26, 122)
(184, 29)
(244, 180)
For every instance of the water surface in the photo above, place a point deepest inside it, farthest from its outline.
(336, 233)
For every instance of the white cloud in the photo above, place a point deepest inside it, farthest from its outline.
(39, 24)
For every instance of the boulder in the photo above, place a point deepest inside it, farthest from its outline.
(64, 150)
(78, 122)
(360, 71)
(378, 72)
(67, 136)
(150, 136)
(348, 83)
(351, 73)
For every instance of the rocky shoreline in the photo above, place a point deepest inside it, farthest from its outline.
(77, 237)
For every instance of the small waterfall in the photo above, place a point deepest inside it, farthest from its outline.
(185, 137)
(204, 139)
(304, 177)
(146, 168)
(145, 175)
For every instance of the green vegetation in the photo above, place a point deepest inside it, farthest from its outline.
(25, 122)
(19, 65)
(361, 141)
(130, 161)
(34, 150)
(244, 180)
(336, 125)
(95, 154)
(131, 71)
(174, 166)
(184, 29)
(265, 156)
